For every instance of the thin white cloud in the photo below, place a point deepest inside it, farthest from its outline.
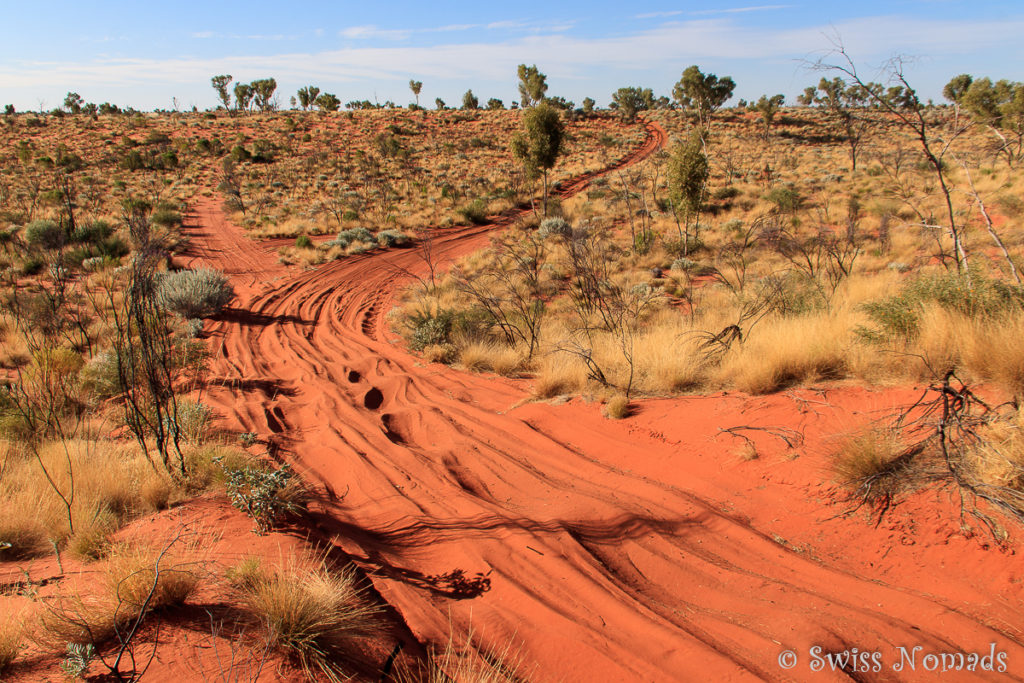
(561, 55)
(371, 32)
(740, 10)
(658, 15)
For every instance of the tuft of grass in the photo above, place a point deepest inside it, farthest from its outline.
(872, 463)
(467, 663)
(769, 361)
(12, 639)
(617, 407)
(318, 616)
(489, 357)
(132, 571)
(92, 613)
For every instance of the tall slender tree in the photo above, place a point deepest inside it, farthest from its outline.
(220, 84)
(539, 143)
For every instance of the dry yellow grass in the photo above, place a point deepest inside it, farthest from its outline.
(320, 616)
(106, 483)
(137, 574)
(617, 407)
(12, 638)
(788, 351)
(133, 576)
(490, 357)
(466, 662)
(868, 462)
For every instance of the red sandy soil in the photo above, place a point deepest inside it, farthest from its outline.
(646, 549)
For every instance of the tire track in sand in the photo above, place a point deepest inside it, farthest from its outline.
(462, 510)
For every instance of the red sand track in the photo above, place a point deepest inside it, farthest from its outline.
(641, 550)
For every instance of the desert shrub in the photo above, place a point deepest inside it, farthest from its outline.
(100, 375)
(193, 420)
(165, 217)
(554, 227)
(352, 235)
(45, 234)
(683, 265)
(785, 198)
(474, 212)
(265, 495)
(239, 153)
(194, 293)
(93, 233)
(303, 242)
(726, 193)
(973, 294)
(391, 238)
(77, 660)
(429, 332)
(319, 617)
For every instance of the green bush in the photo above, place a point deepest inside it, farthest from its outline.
(46, 234)
(194, 293)
(786, 199)
(165, 218)
(429, 330)
(972, 294)
(92, 233)
(260, 493)
(32, 265)
(474, 212)
(303, 242)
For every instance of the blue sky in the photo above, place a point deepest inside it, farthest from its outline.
(144, 54)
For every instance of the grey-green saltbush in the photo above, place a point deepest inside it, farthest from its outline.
(347, 237)
(553, 227)
(194, 293)
(391, 238)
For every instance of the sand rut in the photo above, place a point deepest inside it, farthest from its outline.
(597, 569)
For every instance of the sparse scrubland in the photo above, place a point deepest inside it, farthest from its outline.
(863, 239)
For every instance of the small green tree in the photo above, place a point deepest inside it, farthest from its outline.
(470, 101)
(588, 105)
(845, 105)
(220, 84)
(263, 93)
(629, 101)
(73, 103)
(539, 143)
(416, 87)
(702, 93)
(494, 104)
(688, 173)
(308, 95)
(957, 87)
(328, 102)
(768, 107)
(439, 103)
(1000, 106)
(532, 85)
(243, 96)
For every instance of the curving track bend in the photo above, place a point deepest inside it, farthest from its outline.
(532, 529)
